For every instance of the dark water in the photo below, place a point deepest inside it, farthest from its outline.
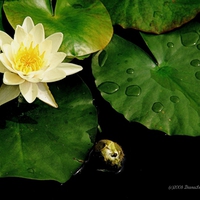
(154, 162)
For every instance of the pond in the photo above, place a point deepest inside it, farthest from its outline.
(98, 102)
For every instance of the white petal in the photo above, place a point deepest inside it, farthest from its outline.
(20, 34)
(38, 33)
(5, 38)
(60, 72)
(32, 77)
(15, 46)
(56, 59)
(53, 75)
(7, 49)
(28, 24)
(69, 68)
(56, 39)
(29, 91)
(6, 62)
(2, 68)
(8, 93)
(44, 94)
(10, 78)
(46, 46)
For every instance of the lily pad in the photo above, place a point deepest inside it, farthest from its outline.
(152, 16)
(86, 25)
(162, 96)
(44, 143)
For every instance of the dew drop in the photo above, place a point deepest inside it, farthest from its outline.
(197, 75)
(157, 14)
(195, 63)
(77, 6)
(170, 44)
(129, 79)
(157, 107)
(189, 39)
(102, 58)
(174, 99)
(166, 3)
(30, 170)
(130, 71)
(108, 87)
(133, 90)
(198, 46)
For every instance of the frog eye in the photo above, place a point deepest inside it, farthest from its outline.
(100, 145)
(114, 155)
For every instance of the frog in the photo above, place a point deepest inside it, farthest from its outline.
(111, 152)
(105, 156)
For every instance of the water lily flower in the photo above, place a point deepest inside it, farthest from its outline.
(30, 61)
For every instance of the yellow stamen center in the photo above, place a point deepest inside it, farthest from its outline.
(28, 59)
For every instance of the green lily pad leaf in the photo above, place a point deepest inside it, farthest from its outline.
(163, 96)
(86, 25)
(44, 143)
(152, 16)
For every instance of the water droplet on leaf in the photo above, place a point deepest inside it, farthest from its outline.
(170, 44)
(157, 107)
(77, 6)
(166, 3)
(108, 87)
(174, 99)
(130, 71)
(30, 170)
(198, 46)
(189, 39)
(133, 90)
(158, 14)
(195, 63)
(102, 58)
(129, 79)
(197, 75)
